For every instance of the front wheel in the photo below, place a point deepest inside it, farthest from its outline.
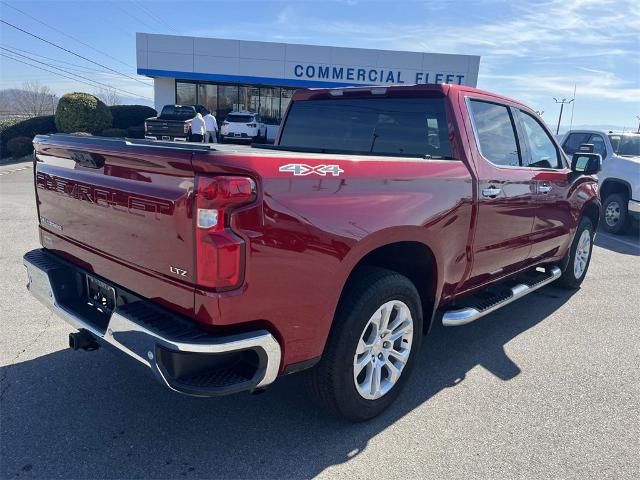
(371, 348)
(615, 214)
(579, 256)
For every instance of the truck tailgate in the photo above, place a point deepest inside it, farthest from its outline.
(117, 206)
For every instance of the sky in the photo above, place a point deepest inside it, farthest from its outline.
(530, 51)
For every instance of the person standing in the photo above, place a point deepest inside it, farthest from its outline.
(197, 128)
(211, 126)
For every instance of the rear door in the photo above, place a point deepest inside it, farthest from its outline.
(506, 192)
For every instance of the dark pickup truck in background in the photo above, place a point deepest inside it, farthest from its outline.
(173, 123)
(378, 211)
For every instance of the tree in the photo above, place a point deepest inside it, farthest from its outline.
(108, 96)
(35, 100)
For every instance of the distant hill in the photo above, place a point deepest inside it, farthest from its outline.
(606, 128)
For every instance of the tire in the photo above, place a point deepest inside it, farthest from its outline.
(615, 213)
(576, 270)
(332, 381)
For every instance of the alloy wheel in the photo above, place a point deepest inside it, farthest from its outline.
(582, 254)
(383, 350)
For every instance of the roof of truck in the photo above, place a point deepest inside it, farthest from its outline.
(383, 90)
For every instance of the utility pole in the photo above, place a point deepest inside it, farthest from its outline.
(638, 117)
(562, 103)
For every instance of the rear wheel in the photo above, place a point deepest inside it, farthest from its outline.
(371, 348)
(615, 214)
(579, 256)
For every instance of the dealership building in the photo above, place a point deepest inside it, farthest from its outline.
(226, 75)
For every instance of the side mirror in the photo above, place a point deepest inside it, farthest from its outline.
(586, 163)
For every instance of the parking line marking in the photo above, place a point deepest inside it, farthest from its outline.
(625, 242)
(7, 172)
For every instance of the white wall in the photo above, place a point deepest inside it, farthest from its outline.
(164, 92)
(295, 65)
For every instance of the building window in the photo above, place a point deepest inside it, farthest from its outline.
(185, 93)
(270, 105)
(227, 100)
(285, 98)
(249, 99)
(269, 102)
(208, 96)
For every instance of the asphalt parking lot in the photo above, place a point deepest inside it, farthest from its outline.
(548, 387)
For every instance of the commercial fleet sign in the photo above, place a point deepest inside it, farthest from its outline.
(282, 64)
(374, 75)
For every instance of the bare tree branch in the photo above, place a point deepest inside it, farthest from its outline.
(34, 100)
(109, 97)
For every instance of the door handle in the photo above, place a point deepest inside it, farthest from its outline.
(491, 192)
(544, 188)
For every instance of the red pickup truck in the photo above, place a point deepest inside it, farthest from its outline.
(377, 211)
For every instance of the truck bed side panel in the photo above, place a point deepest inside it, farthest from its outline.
(310, 231)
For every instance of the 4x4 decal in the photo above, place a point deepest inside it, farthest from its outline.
(300, 169)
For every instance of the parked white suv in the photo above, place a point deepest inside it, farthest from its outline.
(243, 126)
(619, 178)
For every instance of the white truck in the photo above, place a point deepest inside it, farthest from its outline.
(619, 178)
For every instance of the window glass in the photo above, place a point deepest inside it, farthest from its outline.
(208, 96)
(626, 145)
(249, 99)
(227, 100)
(496, 135)
(598, 145)
(185, 93)
(234, 117)
(270, 105)
(573, 142)
(172, 112)
(543, 151)
(401, 126)
(286, 94)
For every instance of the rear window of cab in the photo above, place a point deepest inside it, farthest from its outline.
(381, 126)
(239, 118)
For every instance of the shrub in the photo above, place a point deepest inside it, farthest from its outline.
(20, 146)
(28, 128)
(136, 132)
(125, 116)
(4, 124)
(82, 112)
(114, 132)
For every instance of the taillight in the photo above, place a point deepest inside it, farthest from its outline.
(252, 125)
(225, 123)
(219, 251)
(186, 128)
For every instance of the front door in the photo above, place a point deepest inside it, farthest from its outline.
(506, 193)
(551, 229)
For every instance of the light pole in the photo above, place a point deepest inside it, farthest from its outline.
(638, 117)
(562, 103)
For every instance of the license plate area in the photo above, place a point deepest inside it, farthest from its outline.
(166, 137)
(101, 295)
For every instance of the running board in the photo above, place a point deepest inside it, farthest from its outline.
(462, 316)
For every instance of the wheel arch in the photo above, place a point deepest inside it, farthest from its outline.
(592, 211)
(614, 185)
(413, 259)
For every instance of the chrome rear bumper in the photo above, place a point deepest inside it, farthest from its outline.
(182, 356)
